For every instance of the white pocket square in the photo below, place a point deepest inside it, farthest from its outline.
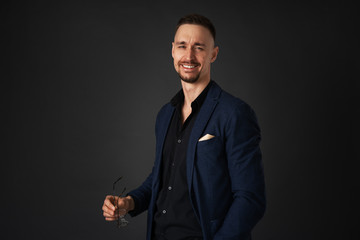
(206, 137)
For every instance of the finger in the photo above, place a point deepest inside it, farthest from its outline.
(108, 202)
(108, 211)
(110, 219)
(109, 215)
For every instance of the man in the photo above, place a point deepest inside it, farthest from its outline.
(207, 181)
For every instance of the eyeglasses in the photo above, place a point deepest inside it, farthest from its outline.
(121, 221)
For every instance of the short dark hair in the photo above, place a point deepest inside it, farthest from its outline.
(197, 20)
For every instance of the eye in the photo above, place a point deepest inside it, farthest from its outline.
(181, 46)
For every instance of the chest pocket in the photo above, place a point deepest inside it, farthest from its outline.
(210, 155)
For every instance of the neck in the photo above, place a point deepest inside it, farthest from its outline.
(193, 90)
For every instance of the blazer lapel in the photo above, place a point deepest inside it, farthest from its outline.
(198, 128)
(162, 126)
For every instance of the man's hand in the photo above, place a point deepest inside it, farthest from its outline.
(114, 207)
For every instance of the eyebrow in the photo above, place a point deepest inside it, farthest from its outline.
(196, 44)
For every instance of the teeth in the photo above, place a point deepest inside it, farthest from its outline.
(188, 66)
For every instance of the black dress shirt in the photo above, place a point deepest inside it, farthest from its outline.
(174, 217)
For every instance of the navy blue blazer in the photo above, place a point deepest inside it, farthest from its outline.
(224, 174)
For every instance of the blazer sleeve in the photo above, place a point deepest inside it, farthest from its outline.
(246, 174)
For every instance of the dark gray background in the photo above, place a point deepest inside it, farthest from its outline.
(82, 82)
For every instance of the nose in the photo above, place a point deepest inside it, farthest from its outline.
(189, 55)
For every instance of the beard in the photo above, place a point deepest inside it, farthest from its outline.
(189, 79)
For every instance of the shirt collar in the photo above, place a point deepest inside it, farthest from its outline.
(178, 99)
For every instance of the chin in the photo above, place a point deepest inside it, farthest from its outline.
(189, 79)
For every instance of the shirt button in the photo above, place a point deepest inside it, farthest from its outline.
(179, 140)
(164, 211)
(169, 188)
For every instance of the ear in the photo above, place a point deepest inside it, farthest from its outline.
(214, 53)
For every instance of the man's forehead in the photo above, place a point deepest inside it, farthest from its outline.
(194, 32)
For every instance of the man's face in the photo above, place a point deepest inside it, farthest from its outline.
(193, 52)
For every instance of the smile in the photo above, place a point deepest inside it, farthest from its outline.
(188, 66)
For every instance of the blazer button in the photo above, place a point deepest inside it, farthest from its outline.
(179, 140)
